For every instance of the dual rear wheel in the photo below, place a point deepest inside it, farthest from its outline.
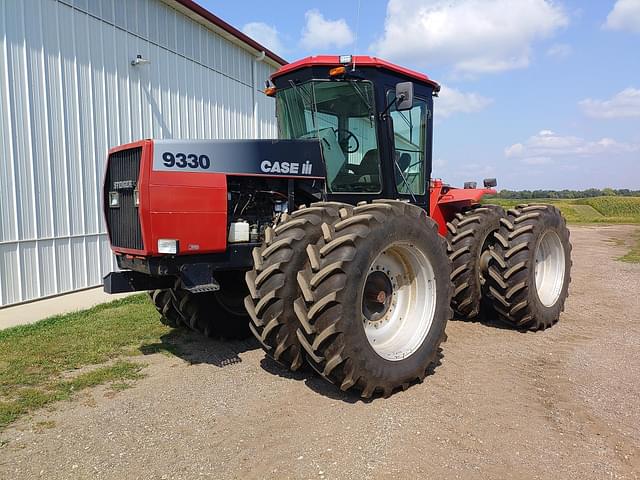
(513, 266)
(370, 289)
(363, 294)
(529, 272)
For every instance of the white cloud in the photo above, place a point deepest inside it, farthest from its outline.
(559, 51)
(264, 34)
(319, 32)
(547, 145)
(451, 101)
(474, 36)
(624, 16)
(623, 105)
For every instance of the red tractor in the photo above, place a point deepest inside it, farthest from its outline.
(331, 244)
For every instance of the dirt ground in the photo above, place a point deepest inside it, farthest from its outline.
(561, 404)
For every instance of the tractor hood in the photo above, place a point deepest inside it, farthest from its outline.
(278, 158)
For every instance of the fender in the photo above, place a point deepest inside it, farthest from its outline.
(446, 201)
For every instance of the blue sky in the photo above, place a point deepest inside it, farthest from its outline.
(539, 93)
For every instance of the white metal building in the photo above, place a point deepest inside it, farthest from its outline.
(69, 91)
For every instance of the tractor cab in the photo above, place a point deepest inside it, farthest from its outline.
(373, 119)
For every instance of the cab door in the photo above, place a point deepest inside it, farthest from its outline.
(410, 144)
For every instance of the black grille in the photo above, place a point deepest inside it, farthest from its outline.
(123, 222)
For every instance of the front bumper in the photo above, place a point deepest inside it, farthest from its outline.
(128, 281)
(197, 272)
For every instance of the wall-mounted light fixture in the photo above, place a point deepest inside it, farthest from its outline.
(139, 60)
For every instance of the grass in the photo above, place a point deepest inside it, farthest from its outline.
(633, 255)
(586, 210)
(39, 363)
(617, 207)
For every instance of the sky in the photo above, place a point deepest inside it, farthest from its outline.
(537, 93)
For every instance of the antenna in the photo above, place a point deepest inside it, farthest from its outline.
(353, 65)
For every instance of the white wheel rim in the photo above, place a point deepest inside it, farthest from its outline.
(400, 328)
(549, 269)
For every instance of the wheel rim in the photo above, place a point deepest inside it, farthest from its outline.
(398, 301)
(549, 270)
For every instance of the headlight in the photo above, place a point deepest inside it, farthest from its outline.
(166, 245)
(136, 197)
(114, 200)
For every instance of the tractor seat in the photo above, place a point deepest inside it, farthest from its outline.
(404, 161)
(366, 173)
(370, 164)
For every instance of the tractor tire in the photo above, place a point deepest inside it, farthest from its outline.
(529, 272)
(214, 314)
(231, 318)
(163, 301)
(193, 310)
(470, 236)
(272, 282)
(376, 297)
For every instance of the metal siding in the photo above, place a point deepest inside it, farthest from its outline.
(19, 105)
(11, 279)
(8, 212)
(68, 93)
(47, 266)
(28, 254)
(63, 264)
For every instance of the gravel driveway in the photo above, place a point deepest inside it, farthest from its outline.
(563, 403)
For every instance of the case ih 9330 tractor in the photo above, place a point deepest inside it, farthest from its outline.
(331, 244)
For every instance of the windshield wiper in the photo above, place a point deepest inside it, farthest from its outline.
(356, 87)
(305, 96)
(405, 181)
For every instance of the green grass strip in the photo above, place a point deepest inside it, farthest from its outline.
(24, 400)
(35, 360)
(633, 255)
(594, 210)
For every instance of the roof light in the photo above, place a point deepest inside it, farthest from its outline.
(345, 58)
(270, 91)
(334, 72)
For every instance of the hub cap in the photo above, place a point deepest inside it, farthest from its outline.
(550, 267)
(378, 295)
(398, 301)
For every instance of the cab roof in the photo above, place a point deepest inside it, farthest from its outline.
(360, 61)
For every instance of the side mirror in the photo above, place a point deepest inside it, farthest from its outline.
(490, 182)
(404, 96)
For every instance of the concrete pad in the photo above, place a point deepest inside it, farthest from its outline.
(41, 309)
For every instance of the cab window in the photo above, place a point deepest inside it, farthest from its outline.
(409, 138)
(341, 114)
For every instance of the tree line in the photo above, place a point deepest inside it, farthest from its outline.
(590, 192)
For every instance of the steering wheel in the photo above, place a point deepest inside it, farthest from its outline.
(345, 142)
